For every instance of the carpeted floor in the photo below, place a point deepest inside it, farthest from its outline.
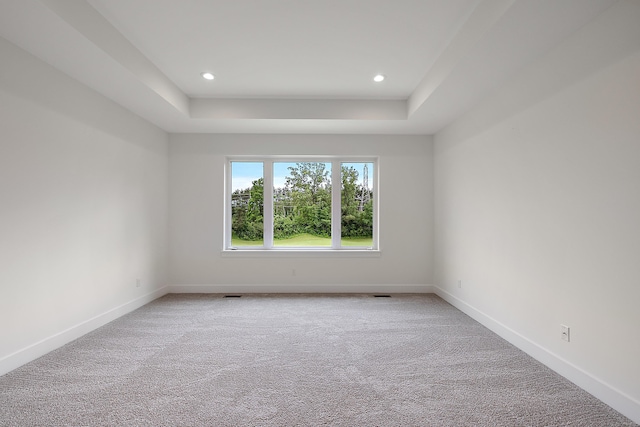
(294, 360)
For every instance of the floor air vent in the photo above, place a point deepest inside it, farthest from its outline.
(382, 296)
(233, 296)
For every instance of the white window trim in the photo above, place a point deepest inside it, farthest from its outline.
(335, 250)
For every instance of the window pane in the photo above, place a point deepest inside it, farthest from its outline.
(247, 197)
(357, 204)
(302, 204)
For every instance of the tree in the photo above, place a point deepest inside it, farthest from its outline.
(355, 222)
(256, 201)
(247, 211)
(309, 181)
(349, 203)
(309, 186)
(303, 205)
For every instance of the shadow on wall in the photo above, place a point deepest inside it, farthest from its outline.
(577, 58)
(21, 75)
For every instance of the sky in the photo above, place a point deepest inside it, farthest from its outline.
(243, 173)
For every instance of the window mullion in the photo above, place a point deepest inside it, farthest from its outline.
(376, 204)
(267, 212)
(336, 211)
(227, 210)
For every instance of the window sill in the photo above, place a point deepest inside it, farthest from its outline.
(301, 253)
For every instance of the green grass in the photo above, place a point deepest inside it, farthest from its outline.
(357, 241)
(306, 240)
(303, 240)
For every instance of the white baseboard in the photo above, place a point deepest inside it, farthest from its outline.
(618, 400)
(42, 347)
(613, 397)
(300, 289)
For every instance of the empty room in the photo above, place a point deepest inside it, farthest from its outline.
(319, 212)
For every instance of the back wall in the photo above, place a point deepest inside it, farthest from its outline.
(197, 208)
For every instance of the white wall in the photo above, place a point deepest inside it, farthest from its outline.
(537, 209)
(196, 217)
(83, 208)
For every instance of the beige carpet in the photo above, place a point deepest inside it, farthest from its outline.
(294, 360)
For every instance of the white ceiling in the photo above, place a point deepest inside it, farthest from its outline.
(294, 66)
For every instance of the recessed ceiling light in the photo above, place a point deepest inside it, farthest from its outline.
(208, 76)
(378, 78)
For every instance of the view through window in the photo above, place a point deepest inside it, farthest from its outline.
(247, 204)
(304, 209)
(357, 204)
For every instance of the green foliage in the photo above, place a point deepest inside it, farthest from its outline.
(360, 223)
(357, 218)
(308, 189)
(309, 184)
(349, 203)
(256, 201)
(247, 212)
(303, 206)
(284, 227)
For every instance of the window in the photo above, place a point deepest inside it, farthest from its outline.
(301, 203)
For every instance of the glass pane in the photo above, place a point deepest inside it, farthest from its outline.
(357, 204)
(247, 197)
(302, 204)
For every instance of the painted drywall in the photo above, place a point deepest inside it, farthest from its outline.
(83, 208)
(537, 206)
(197, 206)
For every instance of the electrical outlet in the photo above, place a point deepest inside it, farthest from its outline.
(566, 333)
(293, 271)
(137, 283)
(459, 283)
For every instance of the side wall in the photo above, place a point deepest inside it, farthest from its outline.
(537, 197)
(83, 209)
(197, 165)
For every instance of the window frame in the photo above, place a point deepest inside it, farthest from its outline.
(268, 215)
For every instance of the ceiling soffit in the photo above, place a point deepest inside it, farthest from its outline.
(85, 19)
